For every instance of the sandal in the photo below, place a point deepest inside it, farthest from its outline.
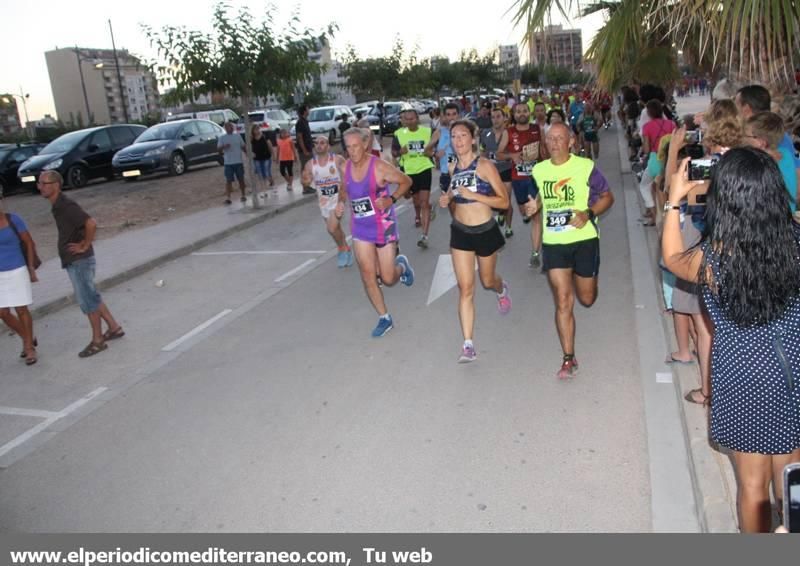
(92, 349)
(671, 359)
(35, 345)
(31, 359)
(113, 334)
(691, 398)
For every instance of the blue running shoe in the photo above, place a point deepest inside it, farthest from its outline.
(407, 278)
(384, 326)
(341, 259)
(349, 260)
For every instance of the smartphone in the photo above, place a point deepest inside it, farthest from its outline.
(700, 169)
(694, 136)
(791, 498)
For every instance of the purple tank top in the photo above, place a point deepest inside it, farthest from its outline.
(367, 223)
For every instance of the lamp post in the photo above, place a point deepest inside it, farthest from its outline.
(23, 97)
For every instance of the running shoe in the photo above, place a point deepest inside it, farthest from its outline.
(308, 191)
(349, 259)
(417, 222)
(467, 354)
(407, 277)
(526, 219)
(341, 259)
(504, 300)
(568, 369)
(423, 242)
(501, 219)
(433, 213)
(509, 232)
(384, 326)
(535, 260)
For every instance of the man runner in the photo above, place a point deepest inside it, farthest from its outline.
(440, 146)
(573, 193)
(524, 148)
(491, 140)
(408, 145)
(373, 221)
(323, 173)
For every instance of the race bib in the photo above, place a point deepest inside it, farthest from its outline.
(465, 181)
(558, 220)
(328, 190)
(530, 152)
(362, 207)
(451, 159)
(524, 169)
(416, 146)
(492, 155)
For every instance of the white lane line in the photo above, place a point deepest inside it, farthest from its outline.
(263, 252)
(295, 270)
(19, 412)
(195, 331)
(27, 435)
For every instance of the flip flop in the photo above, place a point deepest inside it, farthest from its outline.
(673, 360)
(690, 397)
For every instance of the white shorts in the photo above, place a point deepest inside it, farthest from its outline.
(327, 205)
(15, 288)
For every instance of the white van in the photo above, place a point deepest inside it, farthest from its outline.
(218, 116)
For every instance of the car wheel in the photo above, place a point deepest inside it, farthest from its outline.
(332, 137)
(77, 176)
(177, 164)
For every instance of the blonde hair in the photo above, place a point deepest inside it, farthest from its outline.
(724, 128)
(767, 126)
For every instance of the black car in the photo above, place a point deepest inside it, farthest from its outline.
(81, 155)
(391, 116)
(13, 155)
(170, 147)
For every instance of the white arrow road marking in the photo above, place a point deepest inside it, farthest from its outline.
(444, 277)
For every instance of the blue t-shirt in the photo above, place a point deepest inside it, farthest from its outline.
(444, 144)
(575, 110)
(11, 257)
(789, 172)
(787, 145)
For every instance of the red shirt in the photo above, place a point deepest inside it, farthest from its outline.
(529, 142)
(656, 129)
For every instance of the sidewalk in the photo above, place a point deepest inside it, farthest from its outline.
(134, 252)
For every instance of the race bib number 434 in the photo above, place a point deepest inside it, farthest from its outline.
(362, 207)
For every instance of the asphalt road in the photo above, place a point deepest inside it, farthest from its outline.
(282, 414)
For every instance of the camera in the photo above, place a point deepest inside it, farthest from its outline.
(694, 136)
(701, 169)
(791, 498)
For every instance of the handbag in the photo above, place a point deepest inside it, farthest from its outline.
(36, 261)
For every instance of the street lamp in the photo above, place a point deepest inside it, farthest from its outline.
(23, 98)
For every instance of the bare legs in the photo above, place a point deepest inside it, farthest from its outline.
(464, 267)
(22, 325)
(755, 473)
(381, 261)
(565, 287)
(96, 319)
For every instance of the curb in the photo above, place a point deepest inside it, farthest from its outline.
(116, 279)
(711, 473)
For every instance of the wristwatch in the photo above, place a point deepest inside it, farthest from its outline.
(590, 213)
(669, 206)
(394, 199)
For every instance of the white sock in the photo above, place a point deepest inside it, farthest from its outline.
(468, 344)
(503, 292)
(386, 316)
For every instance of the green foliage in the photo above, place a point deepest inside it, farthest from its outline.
(241, 57)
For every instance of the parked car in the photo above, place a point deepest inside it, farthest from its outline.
(171, 147)
(391, 116)
(326, 120)
(81, 155)
(219, 116)
(363, 107)
(271, 122)
(12, 155)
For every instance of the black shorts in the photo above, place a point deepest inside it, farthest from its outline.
(421, 182)
(286, 168)
(505, 175)
(583, 258)
(444, 182)
(484, 239)
(524, 188)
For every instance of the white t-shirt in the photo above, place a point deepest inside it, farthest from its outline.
(233, 153)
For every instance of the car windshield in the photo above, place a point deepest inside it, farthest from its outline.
(321, 115)
(160, 132)
(64, 143)
(256, 116)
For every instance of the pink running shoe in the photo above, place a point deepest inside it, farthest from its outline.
(569, 369)
(504, 300)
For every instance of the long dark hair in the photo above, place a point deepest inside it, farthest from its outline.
(750, 241)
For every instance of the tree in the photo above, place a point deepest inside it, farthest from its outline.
(241, 57)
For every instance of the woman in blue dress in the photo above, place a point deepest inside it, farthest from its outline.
(748, 267)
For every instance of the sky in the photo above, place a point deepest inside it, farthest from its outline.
(34, 26)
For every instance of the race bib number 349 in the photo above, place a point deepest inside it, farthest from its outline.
(558, 220)
(362, 207)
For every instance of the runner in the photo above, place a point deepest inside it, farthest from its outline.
(524, 147)
(575, 111)
(588, 125)
(540, 116)
(476, 188)
(323, 173)
(573, 194)
(440, 145)
(490, 143)
(605, 108)
(408, 145)
(373, 221)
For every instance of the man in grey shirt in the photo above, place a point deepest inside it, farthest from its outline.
(232, 146)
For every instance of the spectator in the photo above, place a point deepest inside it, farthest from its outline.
(17, 272)
(652, 133)
(76, 231)
(344, 125)
(287, 155)
(764, 131)
(304, 142)
(231, 146)
(262, 156)
(748, 267)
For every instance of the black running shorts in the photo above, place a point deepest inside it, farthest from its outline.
(484, 239)
(581, 257)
